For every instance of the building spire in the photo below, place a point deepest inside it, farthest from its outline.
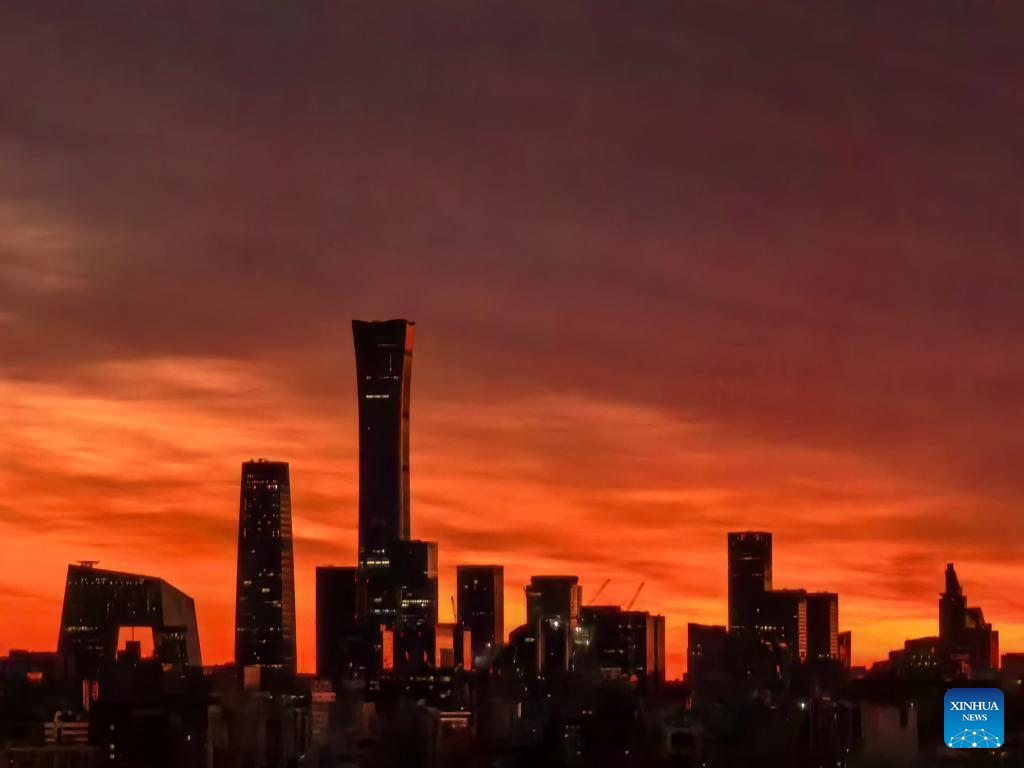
(953, 587)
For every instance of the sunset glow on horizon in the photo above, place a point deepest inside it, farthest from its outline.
(138, 479)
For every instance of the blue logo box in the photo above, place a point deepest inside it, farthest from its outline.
(973, 718)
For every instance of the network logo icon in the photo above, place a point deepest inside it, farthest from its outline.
(975, 738)
(973, 718)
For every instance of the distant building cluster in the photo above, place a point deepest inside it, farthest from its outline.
(578, 684)
(770, 630)
(966, 644)
(380, 618)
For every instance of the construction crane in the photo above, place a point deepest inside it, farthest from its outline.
(635, 596)
(599, 591)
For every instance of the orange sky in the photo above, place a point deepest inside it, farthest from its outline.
(139, 470)
(677, 269)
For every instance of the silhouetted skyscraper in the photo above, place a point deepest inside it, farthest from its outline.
(341, 639)
(480, 604)
(415, 573)
(822, 626)
(952, 606)
(552, 617)
(413, 579)
(783, 620)
(383, 370)
(706, 646)
(630, 644)
(555, 598)
(265, 591)
(963, 629)
(750, 576)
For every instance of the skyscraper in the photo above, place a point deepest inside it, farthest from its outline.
(782, 617)
(706, 647)
(822, 626)
(415, 574)
(750, 576)
(552, 619)
(265, 590)
(554, 598)
(963, 629)
(340, 611)
(625, 643)
(383, 369)
(480, 605)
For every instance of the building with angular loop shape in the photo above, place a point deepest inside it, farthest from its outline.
(98, 603)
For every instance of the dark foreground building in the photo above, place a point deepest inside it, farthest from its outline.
(552, 620)
(340, 611)
(99, 603)
(265, 591)
(783, 620)
(553, 599)
(624, 644)
(750, 576)
(481, 607)
(822, 626)
(415, 575)
(706, 646)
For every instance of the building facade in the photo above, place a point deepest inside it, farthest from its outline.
(554, 598)
(265, 588)
(783, 618)
(480, 606)
(750, 576)
(628, 644)
(706, 646)
(99, 603)
(415, 574)
(822, 626)
(340, 613)
(383, 377)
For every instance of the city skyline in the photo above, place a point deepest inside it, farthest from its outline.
(677, 270)
(265, 511)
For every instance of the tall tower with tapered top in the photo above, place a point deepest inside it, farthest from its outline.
(383, 370)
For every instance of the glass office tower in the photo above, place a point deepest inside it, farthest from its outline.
(265, 590)
(383, 370)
